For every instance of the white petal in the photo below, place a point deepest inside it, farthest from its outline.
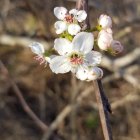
(60, 12)
(74, 69)
(60, 27)
(82, 73)
(93, 58)
(60, 64)
(73, 12)
(62, 46)
(83, 42)
(37, 48)
(73, 29)
(81, 15)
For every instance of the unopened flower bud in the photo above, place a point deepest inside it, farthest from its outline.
(94, 73)
(105, 39)
(105, 21)
(116, 47)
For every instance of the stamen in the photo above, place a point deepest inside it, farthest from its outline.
(41, 60)
(76, 59)
(69, 18)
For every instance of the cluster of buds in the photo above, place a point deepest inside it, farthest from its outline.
(105, 36)
(75, 45)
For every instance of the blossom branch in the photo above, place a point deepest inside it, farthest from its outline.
(104, 106)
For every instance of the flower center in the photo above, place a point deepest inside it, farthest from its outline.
(69, 18)
(76, 59)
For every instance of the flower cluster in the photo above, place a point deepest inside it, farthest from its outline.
(75, 45)
(69, 21)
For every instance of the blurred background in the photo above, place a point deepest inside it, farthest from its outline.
(50, 95)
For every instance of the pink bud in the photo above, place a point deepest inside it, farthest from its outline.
(116, 47)
(105, 21)
(105, 39)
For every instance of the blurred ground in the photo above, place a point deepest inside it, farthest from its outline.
(46, 93)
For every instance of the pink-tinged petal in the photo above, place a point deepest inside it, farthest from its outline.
(105, 21)
(60, 64)
(60, 12)
(62, 46)
(104, 39)
(83, 42)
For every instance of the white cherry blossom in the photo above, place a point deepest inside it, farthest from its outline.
(76, 56)
(105, 39)
(68, 21)
(105, 21)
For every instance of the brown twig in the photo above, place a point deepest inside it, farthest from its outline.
(9, 40)
(104, 106)
(25, 106)
(74, 92)
(103, 109)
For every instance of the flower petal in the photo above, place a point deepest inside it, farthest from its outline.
(83, 42)
(73, 11)
(93, 58)
(82, 73)
(60, 64)
(81, 15)
(60, 12)
(37, 48)
(73, 29)
(60, 27)
(62, 46)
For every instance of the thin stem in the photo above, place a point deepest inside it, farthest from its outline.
(24, 104)
(103, 110)
(74, 109)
